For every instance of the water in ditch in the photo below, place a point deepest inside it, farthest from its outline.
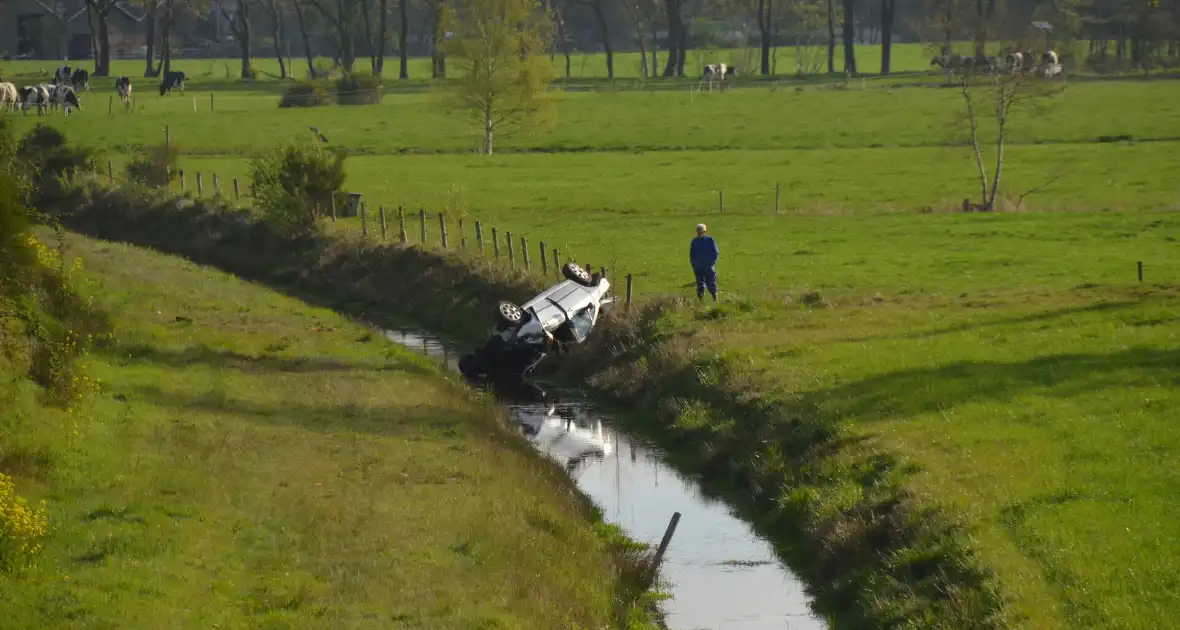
(722, 575)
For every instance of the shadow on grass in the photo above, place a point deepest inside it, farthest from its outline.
(1101, 308)
(228, 359)
(915, 391)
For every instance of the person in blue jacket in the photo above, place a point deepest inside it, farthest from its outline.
(702, 255)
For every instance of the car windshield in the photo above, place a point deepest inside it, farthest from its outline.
(582, 322)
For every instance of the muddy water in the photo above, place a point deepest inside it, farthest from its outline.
(723, 576)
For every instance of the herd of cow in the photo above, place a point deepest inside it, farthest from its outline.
(1013, 62)
(63, 91)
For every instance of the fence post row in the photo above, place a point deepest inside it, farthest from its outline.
(422, 224)
(479, 236)
(496, 244)
(237, 194)
(200, 185)
(544, 260)
(442, 228)
(364, 220)
(401, 225)
(511, 262)
(381, 211)
(524, 254)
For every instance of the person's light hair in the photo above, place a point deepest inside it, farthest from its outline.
(701, 228)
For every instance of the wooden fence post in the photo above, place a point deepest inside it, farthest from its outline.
(511, 262)
(332, 206)
(655, 563)
(1140, 271)
(524, 254)
(496, 244)
(110, 172)
(401, 225)
(462, 236)
(422, 224)
(721, 201)
(381, 211)
(544, 260)
(210, 101)
(110, 105)
(479, 236)
(628, 291)
(442, 228)
(777, 192)
(182, 180)
(556, 261)
(216, 186)
(167, 137)
(364, 220)
(200, 185)
(237, 192)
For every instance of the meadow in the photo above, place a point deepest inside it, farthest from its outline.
(1014, 359)
(251, 461)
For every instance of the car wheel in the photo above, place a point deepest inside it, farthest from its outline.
(509, 314)
(572, 271)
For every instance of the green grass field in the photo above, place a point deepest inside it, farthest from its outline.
(255, 462)
(1013, 357)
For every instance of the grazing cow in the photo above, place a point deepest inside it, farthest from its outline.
(65, 97)
(62, 75)
(9, 97)
(717, 72)
(80, 79)
(123, 88)
(34, 96)
(172, 79)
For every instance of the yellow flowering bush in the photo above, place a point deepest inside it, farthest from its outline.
(21, 528)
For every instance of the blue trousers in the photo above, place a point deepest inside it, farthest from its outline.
(706, 278)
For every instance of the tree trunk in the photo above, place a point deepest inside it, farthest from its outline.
(487, 131)
(849, 37)
(277, 33)
(655, 47)
(150, 40)
(887, 9)
(438, 64)
(306, 39)
(604, 28)
(382, 31)
(244, 37)
(166, 41)
(561, 36)
(93, 34)
(674, 33)
(831, 36)
(103, 67)
(682, 50)
(403, 39)
(764, 22)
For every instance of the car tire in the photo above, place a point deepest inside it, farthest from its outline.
(573, 272)
(509, 314)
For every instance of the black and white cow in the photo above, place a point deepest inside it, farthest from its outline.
(123, 88)
(66, 98)
(172, 79)
(80, 79)
(34, 96)
(62, 75)
(717, 72)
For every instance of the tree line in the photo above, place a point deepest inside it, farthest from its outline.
(1121, 34)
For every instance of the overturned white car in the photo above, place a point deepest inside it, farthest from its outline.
(526, 334)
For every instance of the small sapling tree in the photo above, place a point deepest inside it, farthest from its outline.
(501, 47)
(1004, 93)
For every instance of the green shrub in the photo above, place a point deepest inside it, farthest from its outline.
(156, 166)
(296, 184)
(359, 89)
(48, 158)
(308, 93)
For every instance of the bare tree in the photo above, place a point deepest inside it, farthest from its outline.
(1004, 93)
(239, 23)
(598, 9)
(403, 39)
(341, 16)
(302, 19)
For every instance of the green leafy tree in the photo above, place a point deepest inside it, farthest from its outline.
(501, 48)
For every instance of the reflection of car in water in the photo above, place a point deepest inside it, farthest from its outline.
(526, 334)
(568, 436)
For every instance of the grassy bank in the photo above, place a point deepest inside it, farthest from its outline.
(885, 560)
(252, 461)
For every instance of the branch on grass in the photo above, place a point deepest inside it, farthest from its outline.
(1046, 184)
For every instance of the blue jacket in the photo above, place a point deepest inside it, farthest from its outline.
(703, 252)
